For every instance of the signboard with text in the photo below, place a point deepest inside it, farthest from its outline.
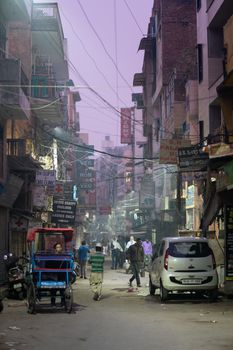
(169, 150)
(126, 136)
(105, 210)
(87, 163)
(45, 177)
(63, 211)
(147, 192)
(192, 158)
(86, 185)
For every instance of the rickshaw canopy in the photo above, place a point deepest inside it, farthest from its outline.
(66, 232)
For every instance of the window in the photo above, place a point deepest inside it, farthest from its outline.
(189, 250)
(200, 62)
(198, 4)
(161, 248)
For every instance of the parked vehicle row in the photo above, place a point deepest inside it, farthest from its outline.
(184, 264)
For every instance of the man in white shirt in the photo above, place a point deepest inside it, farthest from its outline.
(115, 250)
(130, 242)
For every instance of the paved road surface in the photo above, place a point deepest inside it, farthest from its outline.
(121, 320)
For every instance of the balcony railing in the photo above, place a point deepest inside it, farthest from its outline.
(16, 147)
(46, 17)
(43, 87)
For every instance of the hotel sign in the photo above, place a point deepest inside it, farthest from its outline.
(126, 136)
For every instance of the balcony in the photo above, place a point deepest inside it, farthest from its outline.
(46, 100)
(48, 37)
(14, 103)
(16, 147)
(15, 10)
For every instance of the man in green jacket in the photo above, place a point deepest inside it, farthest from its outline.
(97, 269)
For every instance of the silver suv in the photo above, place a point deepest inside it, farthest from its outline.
(184, 264)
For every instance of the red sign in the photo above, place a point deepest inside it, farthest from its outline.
(105, 210)
(126, 136)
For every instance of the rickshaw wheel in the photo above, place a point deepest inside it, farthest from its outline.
(68, 299)
(31, 299)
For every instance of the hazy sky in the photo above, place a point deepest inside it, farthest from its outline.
(103, 39)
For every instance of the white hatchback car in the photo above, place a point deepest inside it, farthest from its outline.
(184, 264)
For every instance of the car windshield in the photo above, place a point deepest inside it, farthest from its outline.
(189, 249)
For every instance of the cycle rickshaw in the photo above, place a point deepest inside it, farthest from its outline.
(50, 273)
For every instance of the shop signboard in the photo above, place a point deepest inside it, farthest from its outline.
(218, 150)
(169, 150)
(45, 177)
(192, 159)
(105, 210)
(63, 211)
(86, 173)
(86, 186)
(147, 192)
(189, 200)
(126, 136)
(229, 243)
(88, 163)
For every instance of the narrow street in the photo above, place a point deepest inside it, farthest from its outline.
(120, 320)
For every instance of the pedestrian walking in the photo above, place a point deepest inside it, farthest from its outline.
(147, 247)
(121, 259)
(83, 252)
(116, 249)
(135, 255)
(97, 271)
(130, 242)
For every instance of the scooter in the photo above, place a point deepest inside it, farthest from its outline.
(17, 287)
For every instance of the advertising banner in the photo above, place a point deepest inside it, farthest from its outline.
(126, 136)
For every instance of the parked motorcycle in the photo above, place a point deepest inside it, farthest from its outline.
(17, 287)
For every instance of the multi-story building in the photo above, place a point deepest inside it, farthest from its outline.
(15, 76)
(35, 98)
(169, 68)
(215, 96)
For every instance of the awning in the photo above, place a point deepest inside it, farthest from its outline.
(23, 163)
(146, 43)
(11, 191)
(211, 209)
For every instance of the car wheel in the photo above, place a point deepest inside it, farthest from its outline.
(213, 295)
(163, 292)
(151, 288)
